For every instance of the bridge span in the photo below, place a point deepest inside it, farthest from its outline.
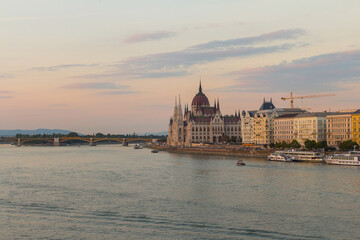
(57, 141)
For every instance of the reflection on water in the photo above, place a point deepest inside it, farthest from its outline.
(114, 192)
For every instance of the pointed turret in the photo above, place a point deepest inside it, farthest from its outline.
(218, 104)
(175, 109)
(180, 110)
(200, 88)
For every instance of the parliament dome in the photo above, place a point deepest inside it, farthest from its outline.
(200, 99)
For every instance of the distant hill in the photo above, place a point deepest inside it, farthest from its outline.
(157, 134)
(33, 132)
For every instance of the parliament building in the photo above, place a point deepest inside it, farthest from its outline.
(202, 123)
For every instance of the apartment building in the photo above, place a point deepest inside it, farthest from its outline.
(284, 128)
(339, 128)
(310, 126)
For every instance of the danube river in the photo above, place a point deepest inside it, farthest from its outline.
(115, 192)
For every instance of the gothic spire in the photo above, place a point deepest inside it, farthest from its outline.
(200, 88)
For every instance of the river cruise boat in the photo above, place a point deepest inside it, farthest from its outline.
(280, 157)
(349, 159)
(304, 156)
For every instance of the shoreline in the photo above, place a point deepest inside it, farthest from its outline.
(217, 152)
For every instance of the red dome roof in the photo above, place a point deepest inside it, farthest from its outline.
(200, 99)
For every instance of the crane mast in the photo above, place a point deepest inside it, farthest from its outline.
(292, 97)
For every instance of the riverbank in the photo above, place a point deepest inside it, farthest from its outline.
(235, 152)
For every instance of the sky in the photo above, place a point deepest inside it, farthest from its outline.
(115, 66)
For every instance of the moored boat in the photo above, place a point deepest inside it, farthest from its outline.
(137, 146)
(348, 159)
(303, 156)
(154, 151)
(277, 156)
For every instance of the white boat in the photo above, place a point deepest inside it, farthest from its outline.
(304, 156)
(349, 159)
(137, 146)
(277, 156)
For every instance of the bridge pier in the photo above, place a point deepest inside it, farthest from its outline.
(125, 143)
(92, 143)
(19, 142)
(56, 141)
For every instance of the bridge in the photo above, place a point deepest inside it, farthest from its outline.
(57, 141)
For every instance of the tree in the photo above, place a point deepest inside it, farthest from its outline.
(282, 144)
(99, 135)
(321, 144)
(310, 144)
(348, 145)
(73, 134)
(295, 144)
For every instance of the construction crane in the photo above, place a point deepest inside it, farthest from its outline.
(291, 98)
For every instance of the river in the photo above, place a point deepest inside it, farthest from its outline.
(115, 192)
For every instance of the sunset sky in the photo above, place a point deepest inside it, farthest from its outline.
(115, 66)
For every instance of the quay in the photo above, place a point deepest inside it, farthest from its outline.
(217, 151)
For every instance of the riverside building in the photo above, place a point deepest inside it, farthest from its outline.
(310, 126)
(356, 126)
(284, 128)
(339, 128)
(202, 123)
(261, 123)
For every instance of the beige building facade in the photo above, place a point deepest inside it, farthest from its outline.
(310, 126)
(247, 127)
(338, 128)
(284, 128)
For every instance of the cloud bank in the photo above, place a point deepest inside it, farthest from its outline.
(178, 63)
(326, 72)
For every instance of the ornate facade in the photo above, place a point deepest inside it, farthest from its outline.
(202, 123)
(258, 126)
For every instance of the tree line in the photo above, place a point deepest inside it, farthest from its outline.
(314, 145)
